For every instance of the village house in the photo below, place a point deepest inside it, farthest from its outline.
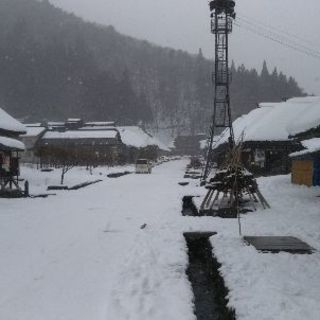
(31, 138)
(270, 133)
(189, 144)
(81, 147)
(89, 143)
(10, 147)
(140, 144)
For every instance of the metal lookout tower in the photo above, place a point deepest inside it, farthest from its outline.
(222, 15)
(232, 189)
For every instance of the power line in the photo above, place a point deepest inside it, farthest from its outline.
(294, 46)
(278, 35)
(278, 30)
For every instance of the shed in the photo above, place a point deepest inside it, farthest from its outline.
(306, 164)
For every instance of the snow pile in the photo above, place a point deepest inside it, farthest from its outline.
(40, 180)
(311, 145)
(8, 123)
(77, 134)
(276, 121)
(136, 137)
(11, 144)
(274, 286)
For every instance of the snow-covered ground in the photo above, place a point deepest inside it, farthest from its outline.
(83, 255)
(39, 181)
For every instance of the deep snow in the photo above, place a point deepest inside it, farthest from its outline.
(82, 255)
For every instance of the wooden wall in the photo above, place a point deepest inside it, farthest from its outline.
(302, 172)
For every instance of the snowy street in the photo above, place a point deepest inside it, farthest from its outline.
(115, 250)
(82, 255)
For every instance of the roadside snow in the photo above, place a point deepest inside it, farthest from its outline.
(275, 286)
(39, 181)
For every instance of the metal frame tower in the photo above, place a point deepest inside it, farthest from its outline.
(222, 15)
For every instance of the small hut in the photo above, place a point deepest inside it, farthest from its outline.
(10, 146)
(306, 164)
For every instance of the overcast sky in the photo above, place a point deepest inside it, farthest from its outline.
(184, 24)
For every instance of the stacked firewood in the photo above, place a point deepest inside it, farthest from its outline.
(233, 188)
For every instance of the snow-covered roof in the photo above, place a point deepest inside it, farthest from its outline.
(276, 121)
(74, 120)
(36, 124)
(97, 128)
(12, 144)
(56, 124)
(136, 137)
(311, 146)
(77, 134)
(33, 131)
(9, 123)
(100, 123)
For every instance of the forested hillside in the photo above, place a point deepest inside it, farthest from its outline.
(54, 65)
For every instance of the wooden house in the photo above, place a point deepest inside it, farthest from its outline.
(81, 147)
(10, 146)
(269, 134)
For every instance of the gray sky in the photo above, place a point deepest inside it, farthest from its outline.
(184, 24)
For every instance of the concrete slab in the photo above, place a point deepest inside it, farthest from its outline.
(275, 244)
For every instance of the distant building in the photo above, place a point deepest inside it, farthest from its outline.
(140, 144)
(189, 144)
(89, 143)
(10, 146)
(82, 147)
(31, 138)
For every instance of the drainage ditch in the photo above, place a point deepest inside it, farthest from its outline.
(208, 286)
(188, 207)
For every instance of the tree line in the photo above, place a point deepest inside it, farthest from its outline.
(54, 65)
